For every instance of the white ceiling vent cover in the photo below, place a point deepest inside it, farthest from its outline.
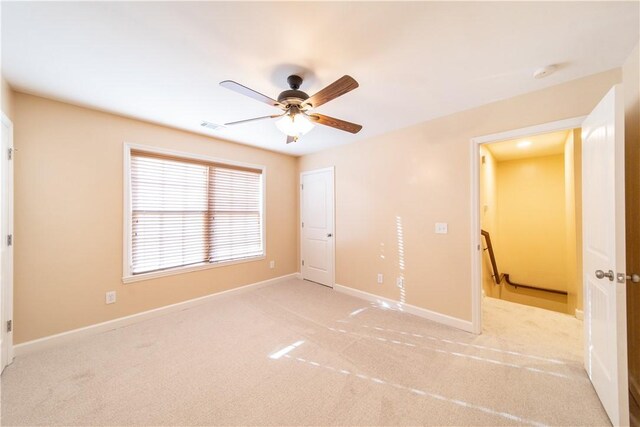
(210, 125)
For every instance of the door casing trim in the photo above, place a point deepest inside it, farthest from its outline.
(6, 281)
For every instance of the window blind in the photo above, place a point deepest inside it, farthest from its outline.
(185, 212)
(235, 204)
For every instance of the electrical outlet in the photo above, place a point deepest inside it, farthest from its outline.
(380, 278)
(441, 228)
(110, 297)
(400, 282)
(272, 264)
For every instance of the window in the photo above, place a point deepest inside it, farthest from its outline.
(186, 212)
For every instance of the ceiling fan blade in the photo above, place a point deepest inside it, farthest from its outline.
(335, 123)
(291, 139)
(338, 88)
(253, 120)
(237, 87)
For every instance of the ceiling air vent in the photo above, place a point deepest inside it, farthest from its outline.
(210, 125)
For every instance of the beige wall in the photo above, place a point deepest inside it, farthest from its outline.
(489, 217)
(421, 175)
(631, 80)
(69, 218)
(6, 93)
(531, 223)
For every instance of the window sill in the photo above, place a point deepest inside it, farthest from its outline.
(180, 270)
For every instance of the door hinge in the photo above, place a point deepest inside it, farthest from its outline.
(303, 225)
(10, 155)
(302, 262)
(9, 239)
(302, 186)
(9, 325)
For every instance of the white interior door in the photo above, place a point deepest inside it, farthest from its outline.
(604, 254)
(6, 245)
(317, 247)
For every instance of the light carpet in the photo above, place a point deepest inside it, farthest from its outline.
(297, 353)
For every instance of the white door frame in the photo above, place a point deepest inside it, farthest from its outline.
(476, 253)
(333, 240)
(6, 271)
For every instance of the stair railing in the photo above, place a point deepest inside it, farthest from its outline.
(497, 278)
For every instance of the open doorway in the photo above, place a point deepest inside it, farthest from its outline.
(530, 217)
(604, 331)
(479, 241)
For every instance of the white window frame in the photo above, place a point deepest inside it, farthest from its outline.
(127, 275)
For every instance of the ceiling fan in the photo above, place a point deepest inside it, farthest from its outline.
(297, 118)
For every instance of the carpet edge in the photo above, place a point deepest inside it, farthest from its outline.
(43, 343)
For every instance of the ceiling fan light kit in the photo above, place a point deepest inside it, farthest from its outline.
(297, 119)
(294, 124)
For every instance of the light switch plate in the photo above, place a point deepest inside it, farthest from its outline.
(441, 228)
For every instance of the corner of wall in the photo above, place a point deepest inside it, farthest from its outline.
(6, 95)
(42, 177)
(572, 211)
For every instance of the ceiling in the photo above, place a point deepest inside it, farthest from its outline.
(162, 61)
(534, 146)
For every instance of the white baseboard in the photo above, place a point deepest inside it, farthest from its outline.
(579, 314)
(61, 338)
(298, 275)
(465, 325)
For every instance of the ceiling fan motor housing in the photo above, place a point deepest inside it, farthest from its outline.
(293, 96)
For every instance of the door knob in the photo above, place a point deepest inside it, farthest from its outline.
(329, 235)
(601, 275)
